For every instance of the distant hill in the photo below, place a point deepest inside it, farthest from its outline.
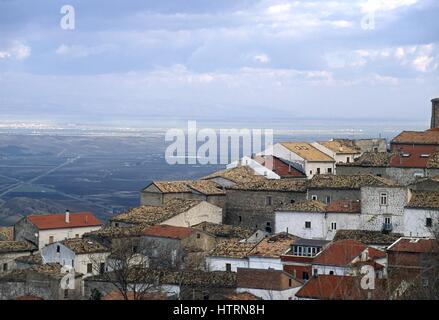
(14, 209)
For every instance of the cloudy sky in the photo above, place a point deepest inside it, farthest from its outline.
(222, 59)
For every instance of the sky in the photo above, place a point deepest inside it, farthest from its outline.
(222, 59)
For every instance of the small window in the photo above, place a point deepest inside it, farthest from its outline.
(318, 170)
(228, 267)
(331, 272)
(5, 267)
(116, 224)
(58, 249)
(329, 170)
(333, 225)
(77, 235)
(73, 263)
(428, 222)
(89, 268)
(51, 239)
(383, 199)
(268, 200)
(310, 172)
(315, 272)
(308, 224)
(198, 235)
(290, 282)
(292, 201)
(305, 275)
(348, 159)
(314, 197)
(328, 199)
(102, 268)
(239, 218)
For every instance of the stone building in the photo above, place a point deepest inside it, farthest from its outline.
(159, 192)
(224, 232)
(175, 212)
(328, 188)
(11, 250)
(421, 214)
(338, 150)
(237, 175)
(252, 204)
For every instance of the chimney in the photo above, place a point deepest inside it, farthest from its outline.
(435, 113)
(67, 216)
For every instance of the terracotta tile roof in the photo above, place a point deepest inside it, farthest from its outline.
(206, 187)
(424, 200)
(232, 248)
(16, 246)
(52, 270)
(339, 147)
(281, 167)
(414, 156)
(340, 253)
(117, 295)
(243, 296)
(414, 245)
(225, 231)
(367, 237)
(84, 246)
(307, 151)
(240, 174)
(332, 287)
(171, 232)
(7, 233)
(330, 181)
(151, 215)
(375, 253)
(268, 279)
(304, 206)
(281, 185)
(33, 259)
(273, 246)
(57, 221)
(371, 159)
(417, 137)
(344, 206)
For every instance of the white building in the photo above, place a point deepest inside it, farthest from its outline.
(421, 215)
(304, 157)
(85, 256)
(229, 255)
(49, 228)
(316, 220)
(340, 152)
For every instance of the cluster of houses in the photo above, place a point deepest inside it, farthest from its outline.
(297, 221)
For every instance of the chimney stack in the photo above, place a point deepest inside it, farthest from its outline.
(435, 113)
(67, 216)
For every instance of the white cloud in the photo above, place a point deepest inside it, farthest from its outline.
(79, 51)
(385, 5)
(261, 58)
(17, 51)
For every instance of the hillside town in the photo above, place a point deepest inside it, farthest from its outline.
(344, 219)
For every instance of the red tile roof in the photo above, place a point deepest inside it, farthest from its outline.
(340, 253)
(165, 231)
(279, 166)
(58, 221)
(415, 245)
(375, 253)
(414, 156)
(344, 206)
(332, 287)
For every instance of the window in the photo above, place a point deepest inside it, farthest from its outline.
(116, 224)
(268, 200)
(329, 170)
(198, 235)
(428, 222)
(305, 275)
(51, 239)
(240, 218)
(315, 272)
(318, 170)
(268, 226)
(314, 197)
(228, 267)
(348, 159)
(292, 201)
(102, 268)
(310, 172)
(290, 282)
(308, 224)
(5, 267)
(387, 220)
(333, 225)
(73, 263)
(328, 199)
(89, 268)
(58, 249)
(383, 199)
(77, 235)
(331, 272)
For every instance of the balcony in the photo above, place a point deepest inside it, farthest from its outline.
(387, 228)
